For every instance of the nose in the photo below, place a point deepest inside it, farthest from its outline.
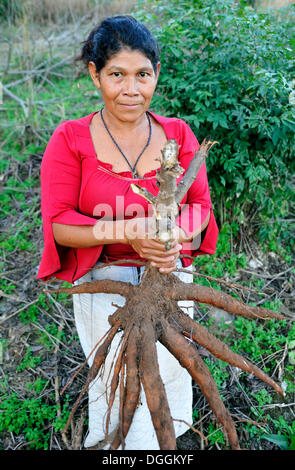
(130, 86)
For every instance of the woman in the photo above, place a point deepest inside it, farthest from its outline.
(91, 215)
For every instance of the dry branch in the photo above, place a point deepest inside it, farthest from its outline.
(193, 169)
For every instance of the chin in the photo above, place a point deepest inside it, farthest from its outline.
(132, 113)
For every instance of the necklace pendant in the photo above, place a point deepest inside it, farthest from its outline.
(134, 174)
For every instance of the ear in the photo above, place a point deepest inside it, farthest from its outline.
(94, 74)
(158, 70)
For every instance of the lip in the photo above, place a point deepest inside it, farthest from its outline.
(126, 105)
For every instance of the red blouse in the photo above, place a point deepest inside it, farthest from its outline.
(76, 186)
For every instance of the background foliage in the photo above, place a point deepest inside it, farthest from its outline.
(229, 71)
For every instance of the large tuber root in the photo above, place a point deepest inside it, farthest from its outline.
(151, 313)
(132, 390)
(99, 359)
(154, 389)
(189, 358)
(201, 336)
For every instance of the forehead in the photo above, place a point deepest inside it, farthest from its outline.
(127, 59)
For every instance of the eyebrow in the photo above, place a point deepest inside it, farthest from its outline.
(121, 69)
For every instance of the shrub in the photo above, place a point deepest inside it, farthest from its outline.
(229, 72)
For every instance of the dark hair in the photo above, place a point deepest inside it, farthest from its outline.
(114, 34)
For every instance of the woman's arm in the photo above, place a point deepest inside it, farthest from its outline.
(107, 232)
(85, 236)
(138, 233)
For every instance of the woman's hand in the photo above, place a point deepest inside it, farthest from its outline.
(139, 234)
(155, 252)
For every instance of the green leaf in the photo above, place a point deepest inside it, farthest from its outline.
(292, 445)
(280, 441)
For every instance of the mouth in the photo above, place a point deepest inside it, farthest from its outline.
(129, 105)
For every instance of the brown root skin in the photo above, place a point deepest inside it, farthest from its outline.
(188, 357)
(115, 380)
(176, 290)
(94, 287)
(149, 315)
(132, 391)
(201, 336)
(210, 296)
(154, 390)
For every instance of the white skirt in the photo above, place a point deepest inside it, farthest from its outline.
(91, 317)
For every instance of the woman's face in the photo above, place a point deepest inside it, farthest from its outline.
(127, 83)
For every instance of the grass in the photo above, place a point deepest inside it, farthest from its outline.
(44, 12)
(39, 348)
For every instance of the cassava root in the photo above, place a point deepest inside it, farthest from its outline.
(151, 314)
(145, 322)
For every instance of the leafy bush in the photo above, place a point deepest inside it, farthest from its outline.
(229, 72)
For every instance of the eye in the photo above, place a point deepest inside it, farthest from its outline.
(143, 74)
(117, 74)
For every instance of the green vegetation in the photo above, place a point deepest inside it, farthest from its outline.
(229, 72)
(33, 413)
(284, 442)
(31, 417)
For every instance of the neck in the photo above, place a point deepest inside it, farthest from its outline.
(119, 126)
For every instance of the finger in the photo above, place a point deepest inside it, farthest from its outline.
(155, 261)
(159, 256)
(165, 263)
(156, 241)
(160, 251)
(167, 270)
(165, 259)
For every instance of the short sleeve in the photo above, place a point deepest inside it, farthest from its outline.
(60, 187)
(197, 206)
